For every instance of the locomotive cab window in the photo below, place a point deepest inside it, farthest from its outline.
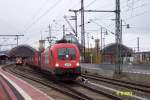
(66, 54)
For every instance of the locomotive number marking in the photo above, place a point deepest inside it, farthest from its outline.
(67, 64)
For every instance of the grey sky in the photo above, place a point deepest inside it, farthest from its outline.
(31, 18)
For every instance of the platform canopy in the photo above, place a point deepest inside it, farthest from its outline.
(22, 51)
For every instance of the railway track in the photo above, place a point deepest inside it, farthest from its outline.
(51, 85)
(65, 88)
(129, 85)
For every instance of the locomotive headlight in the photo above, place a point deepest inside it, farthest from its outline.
(77, 64)
(57, 65)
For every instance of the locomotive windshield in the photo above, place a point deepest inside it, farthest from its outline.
(66, 54)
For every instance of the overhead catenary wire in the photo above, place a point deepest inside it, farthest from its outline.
(139, 6)
(136, 7)
(137, 0)
(46, 12)
(105, 6)
(137, 15)
(41, 16)
(123, 4)
(39, 10)
(92, 2)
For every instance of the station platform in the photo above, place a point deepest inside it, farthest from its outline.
(13, 88)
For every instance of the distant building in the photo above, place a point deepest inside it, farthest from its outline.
(109, 54)
(3, 57)
(21, 51)
(142, 57)
(41, 45)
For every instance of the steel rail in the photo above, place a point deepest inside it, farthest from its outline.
(119, 83)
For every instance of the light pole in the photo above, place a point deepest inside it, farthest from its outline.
(88, 41)
(126, 25)
(50, 32)
(101, 36)
(91, 55)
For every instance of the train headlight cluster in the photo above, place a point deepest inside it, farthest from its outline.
(57, 65)
(77, 64)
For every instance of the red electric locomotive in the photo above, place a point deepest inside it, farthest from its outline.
(62, 60)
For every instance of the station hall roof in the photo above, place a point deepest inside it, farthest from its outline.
(111, 49)
(3, 56)
(21, 51)
(3, 53)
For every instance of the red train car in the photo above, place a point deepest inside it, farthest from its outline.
(34, 59)
(62, 60)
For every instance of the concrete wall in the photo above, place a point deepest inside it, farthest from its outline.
(96, 69)
(133, 77)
